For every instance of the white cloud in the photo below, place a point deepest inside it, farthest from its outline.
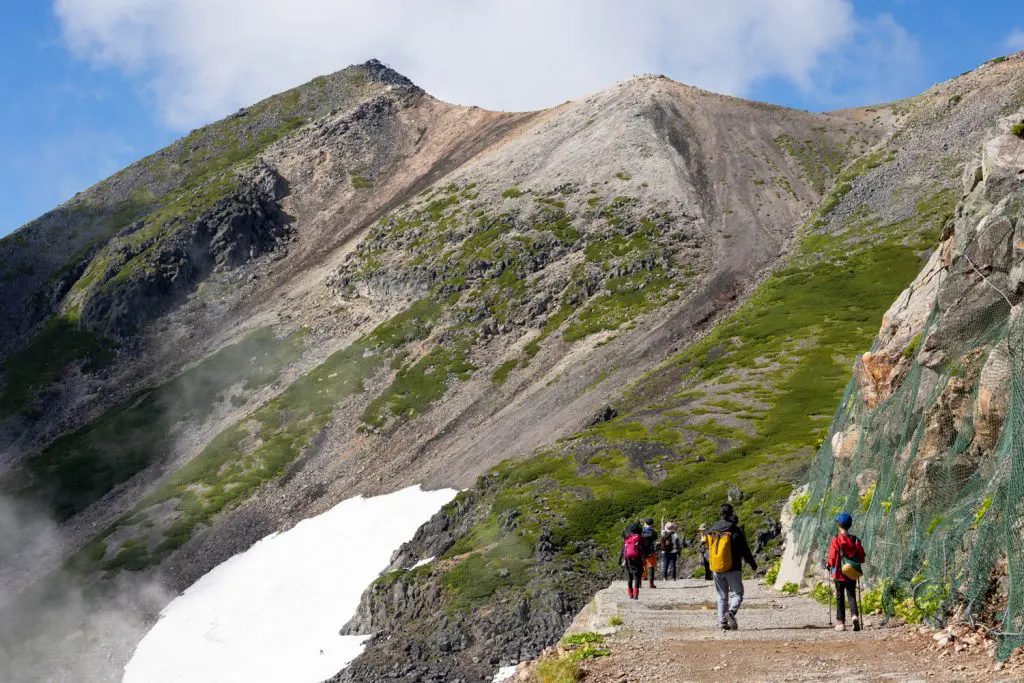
(1015, 40)
(881, 62)
(203, 59)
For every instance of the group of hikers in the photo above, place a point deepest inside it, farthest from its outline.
(723, 549)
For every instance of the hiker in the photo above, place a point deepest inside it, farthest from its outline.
(632, 558)
(845, 553)
(650, 545)
(727, 550)
(670, 547)
(704, 551)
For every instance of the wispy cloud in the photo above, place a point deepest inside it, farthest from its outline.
(1015, 40)
(203, 59)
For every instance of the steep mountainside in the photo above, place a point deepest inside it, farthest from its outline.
(930, 434)
(737, 414)
(352, 287)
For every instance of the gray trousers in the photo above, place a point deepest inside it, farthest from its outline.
(729, 586)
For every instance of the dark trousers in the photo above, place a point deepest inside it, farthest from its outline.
(845, 589)
(634, 573)
(668, 565)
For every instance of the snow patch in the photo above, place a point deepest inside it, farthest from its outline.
(273, 612)
(423, 562)
(504, 673)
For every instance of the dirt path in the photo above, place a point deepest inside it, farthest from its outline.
(672, 634)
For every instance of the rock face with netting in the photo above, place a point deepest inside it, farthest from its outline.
(927, 447)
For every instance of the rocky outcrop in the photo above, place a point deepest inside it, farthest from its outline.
(926, 448)
(237, 229)
(416, 638)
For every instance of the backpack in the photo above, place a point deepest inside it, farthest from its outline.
(667, 544)
(719, 550)
(650, 539)
(849, 566)
(631, 548)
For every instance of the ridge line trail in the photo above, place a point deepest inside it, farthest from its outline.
(672, 634)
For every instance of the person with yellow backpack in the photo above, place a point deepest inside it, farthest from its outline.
(727, 550)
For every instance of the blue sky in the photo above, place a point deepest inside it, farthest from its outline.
(92, 85)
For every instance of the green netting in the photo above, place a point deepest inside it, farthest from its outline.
(934, 473)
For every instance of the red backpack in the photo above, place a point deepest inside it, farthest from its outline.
(632, 547)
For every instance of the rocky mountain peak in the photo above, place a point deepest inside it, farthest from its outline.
(384, 74)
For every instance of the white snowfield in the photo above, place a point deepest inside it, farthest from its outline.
(273, 613)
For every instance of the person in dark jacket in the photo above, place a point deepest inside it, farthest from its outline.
(632, 560)
(650, 537)
(844, 546)
(729, 583)
(670, 546)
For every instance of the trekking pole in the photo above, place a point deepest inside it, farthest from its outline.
(830, 604)
(860, 600)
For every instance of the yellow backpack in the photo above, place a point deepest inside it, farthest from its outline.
(719, 550)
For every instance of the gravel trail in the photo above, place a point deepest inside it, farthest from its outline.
(672, 634)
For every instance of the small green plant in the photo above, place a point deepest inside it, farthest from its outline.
(997, 60)
(359, 182)
(512, 193)
(1018, 129)
(584, 645)
(582, 638)
(911, 350)
(615, 620)
(589, 652)
(866, 498)
(822, 593)
(557, 670)
(622, 175)
(502, 371)
(773, 573)
(790, 588)
(982, 509)
(800, 503)
(955, 99)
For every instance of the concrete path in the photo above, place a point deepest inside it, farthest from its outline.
(672, 634)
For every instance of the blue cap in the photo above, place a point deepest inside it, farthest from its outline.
(844, 520)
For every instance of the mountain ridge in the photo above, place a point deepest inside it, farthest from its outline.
(458, 287)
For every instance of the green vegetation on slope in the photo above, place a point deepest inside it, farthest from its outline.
(778, 365)
(492, 265)
(59, 342)
(81, 467)
(198, 171)
(257, 449)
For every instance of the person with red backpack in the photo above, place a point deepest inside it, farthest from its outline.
(845, 553)
(632, 558)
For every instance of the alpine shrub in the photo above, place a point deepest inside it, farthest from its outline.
(773, 573)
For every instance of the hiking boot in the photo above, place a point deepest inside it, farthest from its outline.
(725, 626)
(840, 625)
(730, 620)
(856, 623)
(629, 592)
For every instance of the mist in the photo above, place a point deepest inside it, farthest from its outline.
(61, 626)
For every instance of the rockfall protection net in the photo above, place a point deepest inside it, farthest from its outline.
(934, 473)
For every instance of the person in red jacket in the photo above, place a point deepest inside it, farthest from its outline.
(844, 546)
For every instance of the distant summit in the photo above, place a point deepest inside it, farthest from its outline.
(382, 73)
